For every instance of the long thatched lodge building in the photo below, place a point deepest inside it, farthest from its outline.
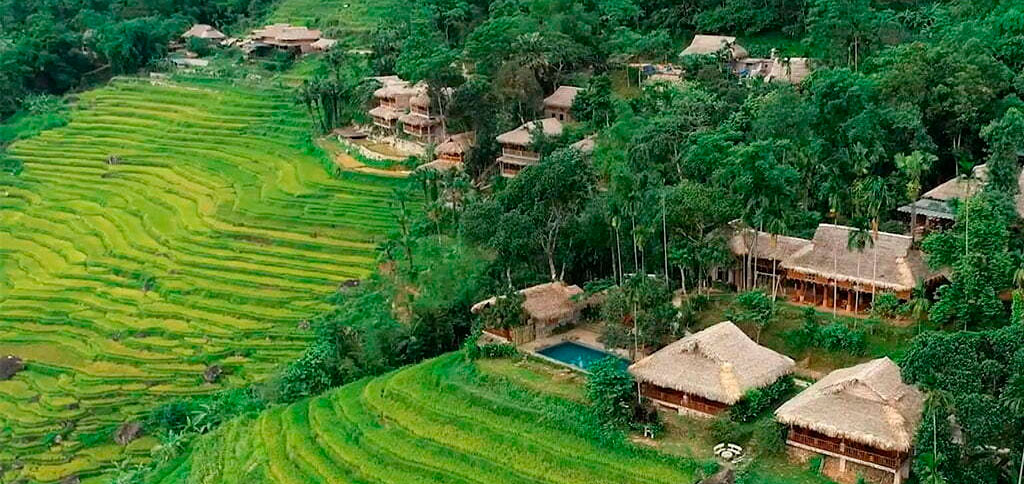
(863, 418)
(825, 271)
(707, 372)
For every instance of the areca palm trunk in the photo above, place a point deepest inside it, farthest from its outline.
(835, 281)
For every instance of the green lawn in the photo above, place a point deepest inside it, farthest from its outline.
(437, 422)
(349, 20)
(213, 234)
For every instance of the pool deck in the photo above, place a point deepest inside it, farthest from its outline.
(582, 335)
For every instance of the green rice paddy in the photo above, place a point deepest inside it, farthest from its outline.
(170, 226)
(436, 422)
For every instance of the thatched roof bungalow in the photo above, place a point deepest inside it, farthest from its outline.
(393, 99)
(547, 306)
(559, 104)
(452, 152)
(517, 145)
(285, 37)
(712, 44)
(934, 210)
(709, 371)
(891, 264)
(865, 414)
(421, 122)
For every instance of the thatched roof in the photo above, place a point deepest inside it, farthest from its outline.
(203, 31)
(457, 144)
(711, 44)
(868, 403)
(414, 119)
(324, 45)
(935, 202)
(899, 267)
(286, 33)
(523, 135)
(440, 165)
(792, 70)
(385, 113)
(778, 247)
(586, 145)
(544, 302)
(395, 89)
(720, 363)
(562, 98)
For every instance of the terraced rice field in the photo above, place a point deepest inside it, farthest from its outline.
(436, 422)
(208, 240)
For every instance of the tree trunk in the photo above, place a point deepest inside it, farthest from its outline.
(664, 242)
(835, 282)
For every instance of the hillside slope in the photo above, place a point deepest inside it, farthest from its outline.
(436, 422)
(169, 226)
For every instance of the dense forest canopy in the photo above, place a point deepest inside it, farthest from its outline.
(52, 46)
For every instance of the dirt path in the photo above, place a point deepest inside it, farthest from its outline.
(348, 163)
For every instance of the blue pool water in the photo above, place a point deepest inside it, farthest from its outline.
(577, 355)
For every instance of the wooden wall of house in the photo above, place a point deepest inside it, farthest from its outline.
(682, 399)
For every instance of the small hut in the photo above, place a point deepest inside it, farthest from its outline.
(865, 415)
(547, 306)
(393, 99)
(517, 150)
(297, 39)
(934, 210)
(422, 122)
(707, 372)
(559, 104)
(10, 365)
(452, 153)
(712, 44)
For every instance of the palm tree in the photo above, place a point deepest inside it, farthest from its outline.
(919, 304)
(857, 240)
(914, 166)
(935, 402)
(776, 226)
(967, 167)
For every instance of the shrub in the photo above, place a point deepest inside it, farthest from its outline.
(886, 305)
(837, 337)
(498, 350)
(172, 416)
(725, 429)
(807, 335)
(611, 391)
(768, 437)
(758, 401)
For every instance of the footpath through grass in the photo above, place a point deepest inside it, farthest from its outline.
(170, 226)
(437, 422)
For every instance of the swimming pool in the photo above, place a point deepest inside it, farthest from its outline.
(576, 355)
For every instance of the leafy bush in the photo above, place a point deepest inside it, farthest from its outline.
(172, 416)
(498, 350)
(612, 392)
(758, 401)
(838, 337)
(755, 307)
(725, 429)
(768, 437)
(886, 305)
(807, 335)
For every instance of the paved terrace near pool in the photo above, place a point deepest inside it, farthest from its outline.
(586, 335)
